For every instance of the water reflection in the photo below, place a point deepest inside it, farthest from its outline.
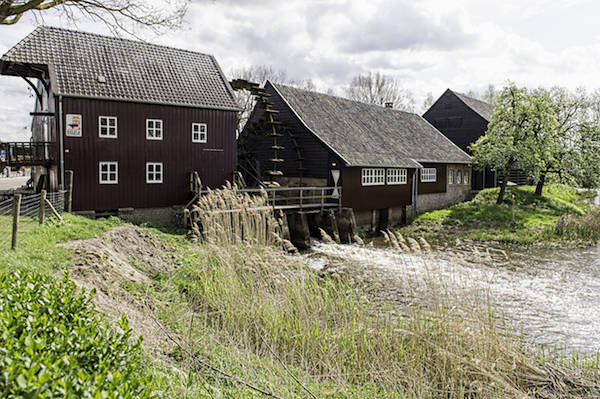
(551, 295)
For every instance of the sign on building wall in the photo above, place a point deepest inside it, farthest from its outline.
(73, 128)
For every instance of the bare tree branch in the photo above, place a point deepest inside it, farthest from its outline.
(376, 88)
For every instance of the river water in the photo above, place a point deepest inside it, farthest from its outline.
(551, 296)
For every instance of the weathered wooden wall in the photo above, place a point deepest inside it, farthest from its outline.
(215, 161)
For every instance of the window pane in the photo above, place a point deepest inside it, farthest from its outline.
(112, 121)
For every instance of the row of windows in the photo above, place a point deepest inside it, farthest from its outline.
(378, 176)
(428, 175)
(462, 177)
(108, 128)
(109, 172)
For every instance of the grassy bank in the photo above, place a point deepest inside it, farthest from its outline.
(248, 315)
(523, 218)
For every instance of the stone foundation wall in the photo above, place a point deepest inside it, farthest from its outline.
(455, 193)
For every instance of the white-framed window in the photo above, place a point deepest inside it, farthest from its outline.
(466, 177)
(199, 133)
(108, 173)
(154, 172)
(107, 126)
(396, 176)
(154, 129)
(459, 177)
(428, 175)
(450, 176)
(373, 176)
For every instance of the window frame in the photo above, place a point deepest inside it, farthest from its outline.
(450, 176)
(459, 178)
(154, 129)
(466, 177)
(108, 127)
(199, 126)
(426, 173)
(108, 172)
(395, 176)
(162, 172)
(372, 176)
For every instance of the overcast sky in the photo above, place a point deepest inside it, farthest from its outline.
(429, 45)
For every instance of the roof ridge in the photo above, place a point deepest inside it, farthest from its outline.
(340, 97)
(123, 39)
(470, 97)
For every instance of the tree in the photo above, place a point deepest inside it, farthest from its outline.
(522, 132)
(428, 102)
(118, 15)
(376, 88)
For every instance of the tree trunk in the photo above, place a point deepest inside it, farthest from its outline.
(540, 184)
(500, 199)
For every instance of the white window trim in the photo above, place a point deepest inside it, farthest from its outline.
(162, 173)
(466, 176)
(100, 172)
(428, 175)
(450, 176)
(154, 130)
(373, 176)
(200, 140)
(396, 176)
(459, 177)
(107, 136)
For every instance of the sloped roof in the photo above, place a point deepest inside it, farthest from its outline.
(484, 109)
(370, 135)
(134, 71)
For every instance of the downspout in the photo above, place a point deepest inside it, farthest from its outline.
(62, 145)
(414, 192)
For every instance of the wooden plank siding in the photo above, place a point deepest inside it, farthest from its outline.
(359, 197)
(215, 161)
(439, 186)
(317, 157)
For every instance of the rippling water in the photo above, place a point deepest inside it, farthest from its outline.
(551, 295)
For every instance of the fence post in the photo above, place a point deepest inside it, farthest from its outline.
(16, 213)
(42, 213)
(69, 193)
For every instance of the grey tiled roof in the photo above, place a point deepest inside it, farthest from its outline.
(134, 71)
(486, 110)
(370, 135)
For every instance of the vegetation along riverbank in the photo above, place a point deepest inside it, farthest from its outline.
(243, 321)
(562, 214)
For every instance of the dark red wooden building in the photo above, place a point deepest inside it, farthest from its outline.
(463, 120)
(131, 119)
(390, 163)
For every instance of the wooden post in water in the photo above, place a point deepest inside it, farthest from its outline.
(16, 213)
(42, 213)
(69, 188)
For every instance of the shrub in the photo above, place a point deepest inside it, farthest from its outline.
(586, 227)
(54, 344)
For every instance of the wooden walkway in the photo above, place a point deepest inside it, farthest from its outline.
(16, 154)
(297, 198)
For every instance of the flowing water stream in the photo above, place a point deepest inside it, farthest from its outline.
(552, 296)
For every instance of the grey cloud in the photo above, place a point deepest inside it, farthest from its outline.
(399, 25)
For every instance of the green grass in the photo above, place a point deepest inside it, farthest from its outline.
(37, 247)
(260, 316)
(523, 218)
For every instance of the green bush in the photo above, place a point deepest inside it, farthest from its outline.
(54, 344)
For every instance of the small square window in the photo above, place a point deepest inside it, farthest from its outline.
(108, 172)
(107, 126)
(154, 172)
(199, 133)
(154, 129)
(428, 175)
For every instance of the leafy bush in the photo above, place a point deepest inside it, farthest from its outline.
(54, 344)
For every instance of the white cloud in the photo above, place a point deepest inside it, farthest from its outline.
(429, 45)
